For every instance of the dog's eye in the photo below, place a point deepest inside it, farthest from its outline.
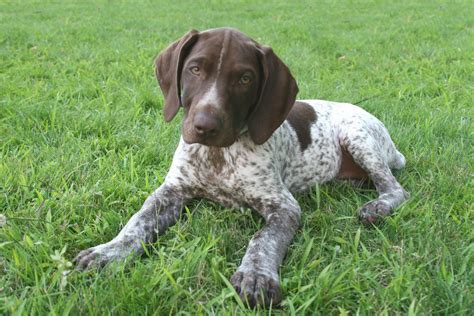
(195, 70)
(245, 79)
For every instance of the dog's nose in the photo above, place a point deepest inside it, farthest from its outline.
(206, 124)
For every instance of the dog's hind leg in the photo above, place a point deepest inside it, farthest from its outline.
(376, 155)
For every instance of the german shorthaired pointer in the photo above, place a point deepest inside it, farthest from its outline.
(246, 142)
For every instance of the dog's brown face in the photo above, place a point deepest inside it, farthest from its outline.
(226, 82)
(220, 82)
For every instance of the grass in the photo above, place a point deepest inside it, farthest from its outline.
(83, 142)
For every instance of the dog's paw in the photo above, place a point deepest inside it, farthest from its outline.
(255, 288)
(99, 256)
(374, 211)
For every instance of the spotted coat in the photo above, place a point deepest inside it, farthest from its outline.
(238, 163)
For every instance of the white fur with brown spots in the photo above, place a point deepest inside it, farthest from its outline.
(303, 150)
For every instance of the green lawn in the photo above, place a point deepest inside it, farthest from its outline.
(83, 142)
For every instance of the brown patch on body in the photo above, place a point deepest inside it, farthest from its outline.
(349, 168)
(301, 116)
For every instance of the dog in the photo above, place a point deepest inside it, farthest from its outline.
(247, 142)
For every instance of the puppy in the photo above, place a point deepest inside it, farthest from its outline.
(247, 142)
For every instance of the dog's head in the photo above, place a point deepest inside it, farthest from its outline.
(225, 82)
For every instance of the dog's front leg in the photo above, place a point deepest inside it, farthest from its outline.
(256, 280)
(160, 211)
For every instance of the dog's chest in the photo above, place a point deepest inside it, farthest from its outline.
(214, 173)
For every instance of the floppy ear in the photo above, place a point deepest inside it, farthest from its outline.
(277, 96)
(168, 72)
